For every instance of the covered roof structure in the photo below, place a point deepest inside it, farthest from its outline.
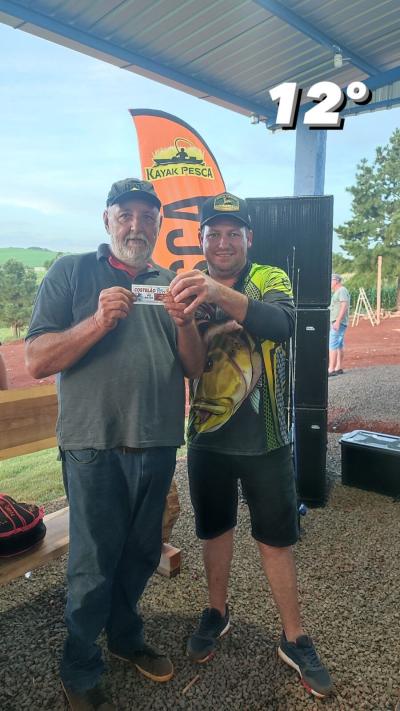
(230, 52)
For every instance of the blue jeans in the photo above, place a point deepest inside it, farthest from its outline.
(116, 502)
(336, 338)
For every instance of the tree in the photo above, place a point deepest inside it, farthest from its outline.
(341, 265)
(374, 228)
(17, 292)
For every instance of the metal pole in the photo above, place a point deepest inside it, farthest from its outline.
(378, 291)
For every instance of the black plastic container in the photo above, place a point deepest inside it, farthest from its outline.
(371, 460)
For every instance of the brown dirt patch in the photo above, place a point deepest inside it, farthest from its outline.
(18, 376)
(340, 421)
(367, 345)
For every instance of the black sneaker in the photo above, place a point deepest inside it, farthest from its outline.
(302, 656)
(201, 645)
(90, 700)
(150, 662)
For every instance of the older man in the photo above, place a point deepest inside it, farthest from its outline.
(120, 366)
(237, 428)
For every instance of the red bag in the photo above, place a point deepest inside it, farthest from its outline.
(21, 526)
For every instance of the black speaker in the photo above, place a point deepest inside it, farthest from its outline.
(310, 460)
(311, 358)
(296, 235)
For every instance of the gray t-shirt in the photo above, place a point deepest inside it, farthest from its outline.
(128, 390)
(337, 296)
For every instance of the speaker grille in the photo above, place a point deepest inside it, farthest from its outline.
(296, 235)
(311, 442)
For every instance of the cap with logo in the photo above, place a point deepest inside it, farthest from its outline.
(225, 205)
(139, 188)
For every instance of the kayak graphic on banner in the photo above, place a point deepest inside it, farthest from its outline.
(184, 173)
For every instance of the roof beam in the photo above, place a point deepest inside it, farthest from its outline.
(149, 67)
(383, 78)
(376, 106)
(315, 34)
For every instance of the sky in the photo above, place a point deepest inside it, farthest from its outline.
(66, 135)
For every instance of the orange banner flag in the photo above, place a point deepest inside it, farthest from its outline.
(184, 173)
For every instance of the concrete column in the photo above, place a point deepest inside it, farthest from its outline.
(309, 169)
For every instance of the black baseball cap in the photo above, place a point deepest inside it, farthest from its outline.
(141, 188)
(225, 205)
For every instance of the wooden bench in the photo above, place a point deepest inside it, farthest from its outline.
(55, 544)
(27, 424)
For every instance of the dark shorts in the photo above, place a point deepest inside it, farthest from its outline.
(268, 484)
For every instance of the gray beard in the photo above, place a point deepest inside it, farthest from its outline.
(134, 254)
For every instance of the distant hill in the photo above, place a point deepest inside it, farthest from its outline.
(29, 256)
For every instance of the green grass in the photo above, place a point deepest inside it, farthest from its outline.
(32, 477)
(37, 476)
(30, 257)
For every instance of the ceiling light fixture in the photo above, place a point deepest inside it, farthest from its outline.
(338, 60)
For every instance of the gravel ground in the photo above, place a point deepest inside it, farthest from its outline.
(349, 572)
(365, 394)
(348, 563)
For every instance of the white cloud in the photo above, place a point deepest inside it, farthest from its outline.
(45, 207)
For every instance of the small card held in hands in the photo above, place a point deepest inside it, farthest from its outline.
(148, 294)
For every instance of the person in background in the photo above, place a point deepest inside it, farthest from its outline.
(237, 428)
(339, 308)
(120, 385)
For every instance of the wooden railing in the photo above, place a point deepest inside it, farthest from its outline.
(27, 420)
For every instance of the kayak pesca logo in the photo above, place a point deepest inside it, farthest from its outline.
(181, 159)
(227, 203)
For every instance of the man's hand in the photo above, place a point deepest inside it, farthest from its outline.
(195, 288)
(177, 311)
(190, 345)
(53, 352)
(114, 304)
(336, 325)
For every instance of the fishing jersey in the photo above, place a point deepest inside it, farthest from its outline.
(237, 405)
